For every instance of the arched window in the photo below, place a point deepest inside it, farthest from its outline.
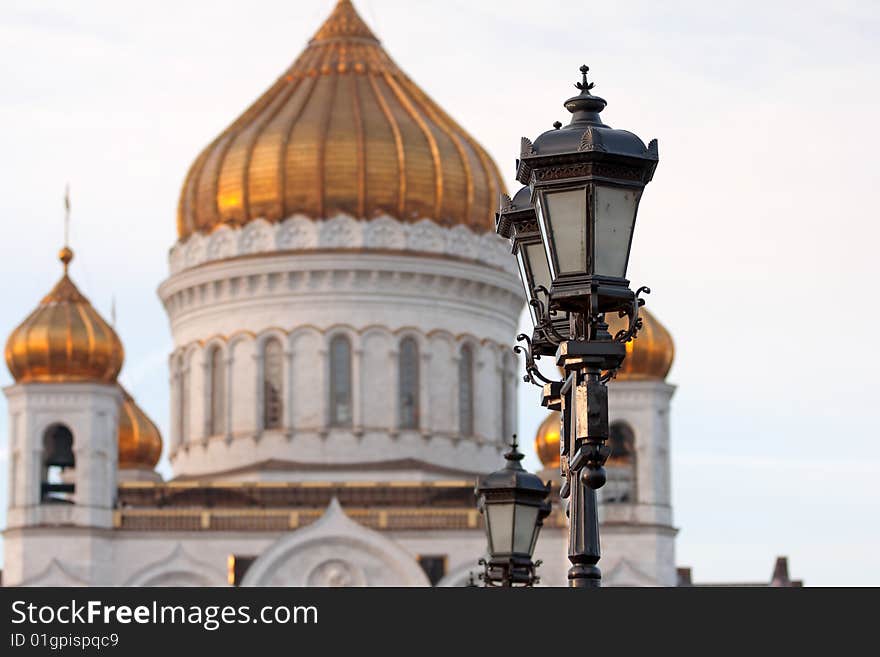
(620, 467)
(273, 384)
(56, 483)
(408, 378)
(466, 391)
(340, 382)
(183, 400)
(217, 392)
(621, 439)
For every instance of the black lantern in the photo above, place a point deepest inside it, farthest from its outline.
(517, 221)
(514, 505)
(586, 180)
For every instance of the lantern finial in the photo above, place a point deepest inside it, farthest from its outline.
(585, 86)
(514, 456)
(585, 106)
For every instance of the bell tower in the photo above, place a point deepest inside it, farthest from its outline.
(63, 421)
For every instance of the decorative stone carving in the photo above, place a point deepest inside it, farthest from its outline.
(342, 232)
(177, 569)
(461, 241)
(56, 574)
(335, 551)
(221, 244)
(298, 232)
(195, 251)
(385, 233)
(624, 573)
(257, 237)
(427, 236)
(336, 573)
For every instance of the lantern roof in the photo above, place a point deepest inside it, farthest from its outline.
(513, 479)
(585, 137)
(513, 210)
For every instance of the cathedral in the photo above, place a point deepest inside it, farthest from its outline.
(342, 315)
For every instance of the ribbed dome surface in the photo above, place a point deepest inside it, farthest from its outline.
(64, 339)
(343, 131)
(140, 443)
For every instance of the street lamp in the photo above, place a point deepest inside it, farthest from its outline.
(585, 181)
(514, 504)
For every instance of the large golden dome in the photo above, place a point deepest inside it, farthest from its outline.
(649, 356)
(140, 443)
(64, 339)
(344, 130)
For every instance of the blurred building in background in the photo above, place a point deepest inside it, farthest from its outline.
(342, 314)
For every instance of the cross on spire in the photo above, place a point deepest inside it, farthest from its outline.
(67, 214)
(66, 255)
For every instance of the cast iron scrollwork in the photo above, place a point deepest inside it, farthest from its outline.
(635, 322)
(545, 316)
(532, 371)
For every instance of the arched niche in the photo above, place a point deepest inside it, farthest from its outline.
(335, 551)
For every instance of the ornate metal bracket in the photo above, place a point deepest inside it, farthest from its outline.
(532, 371)
(545, 316)
(635, 322)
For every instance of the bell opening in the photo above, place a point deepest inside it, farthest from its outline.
(59, 463)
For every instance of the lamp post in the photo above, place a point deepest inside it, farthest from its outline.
(584, 184)
(514, 504)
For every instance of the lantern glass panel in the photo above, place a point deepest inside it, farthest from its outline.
(535, 272)
(562, 217)
(540, 269)
(535, 531)
(525, 275)
(524, 528)
(500, 518)
(615, 212)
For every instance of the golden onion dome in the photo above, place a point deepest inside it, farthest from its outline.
(64, 339)
(547, 441)
(648, 357)
(140, 443)
(342, 131)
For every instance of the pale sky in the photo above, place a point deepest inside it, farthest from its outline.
(758, 234)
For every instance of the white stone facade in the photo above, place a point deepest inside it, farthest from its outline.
(375, 283)
(638, 536)
(303, 284)
(91, 413)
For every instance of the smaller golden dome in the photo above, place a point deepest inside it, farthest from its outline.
(547, 441)
(140, 443)
(64, 339)
(648, 357)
